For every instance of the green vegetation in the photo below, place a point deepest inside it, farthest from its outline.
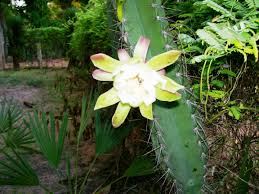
(90, 33)
(203, 143)
(30, 77)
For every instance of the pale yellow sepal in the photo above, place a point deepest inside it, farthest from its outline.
(141, 48)
(120, 114)
(164, 95)
(163, 60)
(105, 62)
(102, 75)
(107, 99)
(146, 111)
(170, 85)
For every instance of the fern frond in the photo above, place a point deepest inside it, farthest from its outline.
(252, 4)
(213, 5)
(226, 32)
(210, 38)
(234, 5)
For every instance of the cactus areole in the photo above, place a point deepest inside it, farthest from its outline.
(136, 82)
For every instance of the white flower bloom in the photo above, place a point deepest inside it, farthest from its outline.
(136, 83)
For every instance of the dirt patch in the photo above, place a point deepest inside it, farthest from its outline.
(56, 63)
(29, 97)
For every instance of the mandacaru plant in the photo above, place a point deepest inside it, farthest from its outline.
(177, 134)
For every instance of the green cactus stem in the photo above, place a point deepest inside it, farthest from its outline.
(175, 130)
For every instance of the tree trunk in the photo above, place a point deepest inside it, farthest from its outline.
(73, 62)
(16, 64)
(2, 42)
(39, 54)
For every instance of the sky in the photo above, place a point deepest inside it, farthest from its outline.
(18, 3)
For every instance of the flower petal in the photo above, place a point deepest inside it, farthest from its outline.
(102, 75)
(146, 111)
(123, 55)
(170, 85)
(162, 72)
(107, 99)
(164, 95)
(141, 48)
(105, 62)
(120, 114)
(163, 60)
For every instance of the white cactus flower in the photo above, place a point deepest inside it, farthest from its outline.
(136, 83)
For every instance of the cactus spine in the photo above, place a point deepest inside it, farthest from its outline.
(175, 132)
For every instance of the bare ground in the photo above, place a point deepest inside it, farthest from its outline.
(40, 98)
(28, 96)
(53, 63)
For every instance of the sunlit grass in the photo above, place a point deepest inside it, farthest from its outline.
(31, 77)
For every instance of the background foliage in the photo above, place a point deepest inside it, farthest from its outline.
(219, 42)
(90, 32)
(52, 39)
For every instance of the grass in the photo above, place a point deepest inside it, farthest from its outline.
(31, 77)
(46, 79)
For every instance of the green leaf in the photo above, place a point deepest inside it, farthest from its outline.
(235, 111)
(246, 168)
(228, 72)
(210, 38)
(186, 39)
(19, 138)
(241, 106)
(49, 139)
(10, 114)
(200, 58)
(219, 9)
(216, 94)
(108, 137)
(140, 166)
(253, 43)
(224, 31)
(217, 83)
(192, 48)
(15, 170)
(87, 107)
(253, 4)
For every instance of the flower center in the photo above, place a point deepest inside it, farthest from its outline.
(136, 83)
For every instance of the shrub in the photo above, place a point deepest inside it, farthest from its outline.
(52, 39)
(90, 32)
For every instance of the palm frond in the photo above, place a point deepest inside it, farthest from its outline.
(106, 136)
(15, 170)
(10, 114)
(19, 138)
(140, 166)
(49, 139)
(87, 107)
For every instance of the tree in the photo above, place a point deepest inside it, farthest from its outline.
(3, 5)
(2, 41)
(15, 35)
(37, 13)
(11, 25)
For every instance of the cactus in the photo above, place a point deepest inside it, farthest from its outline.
(180, 149)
